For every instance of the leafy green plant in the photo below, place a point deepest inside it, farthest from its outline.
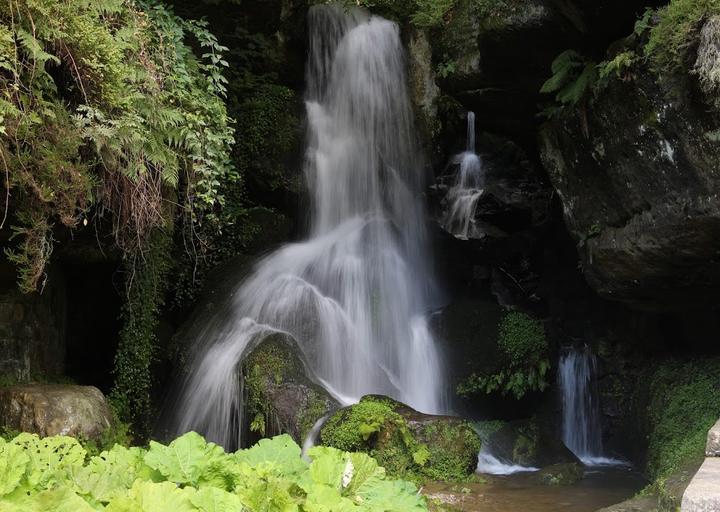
(573, 78)
(617, 66)
(107, 113)
(190, 474)
(522, 341)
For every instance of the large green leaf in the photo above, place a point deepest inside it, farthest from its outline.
(280, 451)
(328, 466)
(185, 459)
(211, 499)
(261, 489)
(154, 497)
(111, 473)
(391, 495)
(13, 464)
(50, 458)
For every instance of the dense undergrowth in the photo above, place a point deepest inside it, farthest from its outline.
(664, 39)
(684, 402)
(524, 350)
(56, 473)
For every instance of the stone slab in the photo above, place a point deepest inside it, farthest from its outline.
(703, 493)
(712, 449)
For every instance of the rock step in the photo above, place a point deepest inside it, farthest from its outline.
(703, 493)
(712, 449)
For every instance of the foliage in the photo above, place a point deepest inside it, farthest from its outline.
(617, 66)
(146, 284)
(676, 32)
(572, 80)
(105, 110)
(190, 474)
(684, 403)
(268, 129)
(522, 341)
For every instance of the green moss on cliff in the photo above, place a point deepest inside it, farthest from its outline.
(676, 32)
(684, 404)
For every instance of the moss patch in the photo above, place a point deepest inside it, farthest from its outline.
(280, 398)
(684, 404)
(405, 442)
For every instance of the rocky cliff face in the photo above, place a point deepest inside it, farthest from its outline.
(637, 170)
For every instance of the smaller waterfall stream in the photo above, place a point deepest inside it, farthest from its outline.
(467, 189)
(581, 427)
(489, 464)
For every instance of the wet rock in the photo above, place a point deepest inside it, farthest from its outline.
(405, 441)
(281, 397)
(637, 173)
(566, 473)
(529, 443)
(55, 409)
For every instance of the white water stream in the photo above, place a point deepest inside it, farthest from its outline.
(468, 187)
(355, 293)
(581, 427)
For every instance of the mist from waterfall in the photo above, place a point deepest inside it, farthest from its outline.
(355, 293)
(581, 421)
(463, 196)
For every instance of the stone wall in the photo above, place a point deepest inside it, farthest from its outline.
(32, 340)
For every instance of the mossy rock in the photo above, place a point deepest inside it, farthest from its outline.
(406, 442)
(566, 473)
(281, 397)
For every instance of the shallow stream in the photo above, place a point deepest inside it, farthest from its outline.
(601, 487)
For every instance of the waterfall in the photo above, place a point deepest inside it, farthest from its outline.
(581, 427)
(463, 196)
(355, 293)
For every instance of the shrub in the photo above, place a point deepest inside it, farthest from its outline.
(524, 346)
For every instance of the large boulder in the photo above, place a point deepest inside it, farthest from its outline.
(55, 409)
(406, 442)
(637, 171)
(280, 395)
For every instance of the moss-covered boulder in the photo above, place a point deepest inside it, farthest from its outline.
(280, 396)
(406, 442)
(566, 473)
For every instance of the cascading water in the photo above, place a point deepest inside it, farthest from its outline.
(463, 196)
(355, 293)
(581, 428)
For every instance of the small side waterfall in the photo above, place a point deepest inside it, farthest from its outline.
(581, 427)
(489, 464)
(467, 189)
